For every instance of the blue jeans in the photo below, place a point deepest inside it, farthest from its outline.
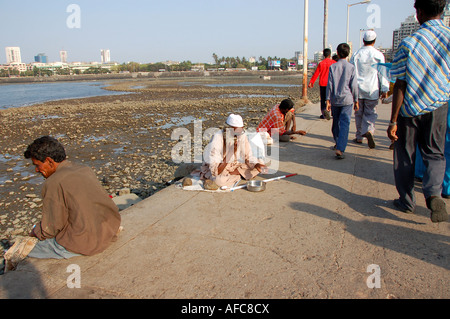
(49, 248)
(341, 125)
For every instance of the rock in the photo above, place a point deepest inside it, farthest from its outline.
(187, 182)
(124, 191)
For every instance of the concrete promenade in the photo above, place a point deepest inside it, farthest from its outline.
(320, 234)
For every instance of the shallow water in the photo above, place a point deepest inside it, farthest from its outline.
(17, 95)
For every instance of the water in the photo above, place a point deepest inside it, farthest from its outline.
(17, 95)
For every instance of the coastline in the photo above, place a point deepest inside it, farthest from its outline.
(125, 138)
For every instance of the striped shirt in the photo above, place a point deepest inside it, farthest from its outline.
(423, 62)
(273, 120)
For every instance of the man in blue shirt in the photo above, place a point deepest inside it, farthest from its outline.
(419, 108)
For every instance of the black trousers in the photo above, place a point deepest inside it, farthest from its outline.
(428, 133)
(323, 97)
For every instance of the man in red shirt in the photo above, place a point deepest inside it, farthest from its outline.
(323, 69)
(273, 122)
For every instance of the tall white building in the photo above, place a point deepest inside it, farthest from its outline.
(408, 27)
(446, 15)
(63, 56)
(13, 55)
(105, 55)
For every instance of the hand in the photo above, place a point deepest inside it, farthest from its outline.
(356, 107)
(32, 234)
(392, 133)
(328, 106)
(310, 85)
(261, 168)
(383, 95)
(300, 132)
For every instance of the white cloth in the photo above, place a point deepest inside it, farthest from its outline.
(370, 83)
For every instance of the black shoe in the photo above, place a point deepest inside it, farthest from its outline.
(322, 117)
(438, 209)
(401, 207)
(370, 139)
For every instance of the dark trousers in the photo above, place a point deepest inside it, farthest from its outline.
(427, 134)
(323, 97)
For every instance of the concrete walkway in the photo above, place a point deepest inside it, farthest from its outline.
(320, 234)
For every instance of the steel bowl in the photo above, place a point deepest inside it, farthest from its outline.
(256, 186)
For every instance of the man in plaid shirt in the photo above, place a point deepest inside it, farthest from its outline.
(274, 121)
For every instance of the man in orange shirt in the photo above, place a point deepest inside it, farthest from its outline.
(323, 70)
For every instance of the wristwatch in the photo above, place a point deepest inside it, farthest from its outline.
(392, 123)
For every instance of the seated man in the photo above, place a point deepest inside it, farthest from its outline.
(78, 216)
(275, 121)
(228, 157)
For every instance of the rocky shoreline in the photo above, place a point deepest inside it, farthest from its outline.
(126, 139)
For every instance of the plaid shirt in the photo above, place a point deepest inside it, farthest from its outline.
(423, 61)
(273, 120)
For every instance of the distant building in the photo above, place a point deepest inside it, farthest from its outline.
(446, 15)
(387, 52)
(40, 58)
(299, 57)
(13, 55)
(105, 56)
(408, 27)
(63, 56)
(318, 56)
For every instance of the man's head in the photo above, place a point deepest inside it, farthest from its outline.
(46, 153)
(286, 105)
(369, 38)
(429, 9)
(326, 53)
(343, 50)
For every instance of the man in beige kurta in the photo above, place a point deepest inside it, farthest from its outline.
(228, 156)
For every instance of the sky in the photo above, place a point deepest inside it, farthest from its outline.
(149, 31)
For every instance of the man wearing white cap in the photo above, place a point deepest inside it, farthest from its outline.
(228, 157)
(371, 87)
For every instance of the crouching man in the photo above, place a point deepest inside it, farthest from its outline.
(78, 216)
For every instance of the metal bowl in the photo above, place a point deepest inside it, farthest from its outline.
(256, 186)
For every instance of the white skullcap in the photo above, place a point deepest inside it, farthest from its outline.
(370, 36)
(235, 120)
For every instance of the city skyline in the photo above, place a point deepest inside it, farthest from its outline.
(150, 31)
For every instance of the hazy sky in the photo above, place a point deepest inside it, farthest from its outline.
(151, 31)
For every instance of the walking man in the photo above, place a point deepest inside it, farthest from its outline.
(322, 72)
(419, 108)
(371, 86)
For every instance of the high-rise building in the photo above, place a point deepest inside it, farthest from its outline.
(105, 55)
(408, 27)
(63, 56)
(41, 58)
(13, 55)
(446, 15)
